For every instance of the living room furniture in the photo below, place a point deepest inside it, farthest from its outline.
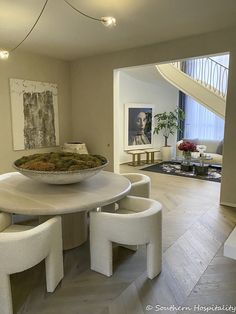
(138, 221)
(136, 156)
(21, 195)
(150, 155)
(22, 247)
(199, 164)
(140, 184)
(211, 150)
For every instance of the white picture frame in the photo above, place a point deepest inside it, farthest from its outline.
(138, 126)
(34, 111)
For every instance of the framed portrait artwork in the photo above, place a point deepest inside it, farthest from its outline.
(34, 114)
(138, 126)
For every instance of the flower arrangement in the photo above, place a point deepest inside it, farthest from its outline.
(187, 147)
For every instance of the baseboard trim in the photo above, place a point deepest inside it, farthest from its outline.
(228, 204)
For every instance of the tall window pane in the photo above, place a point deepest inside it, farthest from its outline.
(199, 121)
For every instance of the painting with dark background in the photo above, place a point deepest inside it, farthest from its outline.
(138, 121)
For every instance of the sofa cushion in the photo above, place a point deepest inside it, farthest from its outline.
(216, 159)
(210, 144)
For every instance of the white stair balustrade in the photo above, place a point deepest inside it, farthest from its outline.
(206, 83)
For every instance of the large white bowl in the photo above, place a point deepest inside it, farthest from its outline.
(60, 177)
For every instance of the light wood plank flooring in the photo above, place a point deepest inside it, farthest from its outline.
(194, 269)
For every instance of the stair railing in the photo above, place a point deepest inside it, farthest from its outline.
(207, 72)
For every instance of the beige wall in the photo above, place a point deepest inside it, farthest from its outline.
(36, 68)
(92, 94)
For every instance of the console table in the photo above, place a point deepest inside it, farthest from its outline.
(21, 195)
(136, 154)
(150, 155)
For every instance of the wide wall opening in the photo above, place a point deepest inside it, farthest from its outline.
(197, 87)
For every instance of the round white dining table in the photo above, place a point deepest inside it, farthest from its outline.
(22, 195)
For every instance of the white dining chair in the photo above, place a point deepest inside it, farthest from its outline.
(137, 221)
(140, 184)
(23, 247)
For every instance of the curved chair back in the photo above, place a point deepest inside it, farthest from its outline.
(140, 184)
(21, 250)
(137, 221)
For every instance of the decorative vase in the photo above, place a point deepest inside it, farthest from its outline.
(74, 147)
(187, 155)
(186, 164)
(201, 170)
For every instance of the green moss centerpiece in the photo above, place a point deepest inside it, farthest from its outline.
(60, 167)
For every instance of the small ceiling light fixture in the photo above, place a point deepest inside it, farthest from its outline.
(107, 21)
(4, 54)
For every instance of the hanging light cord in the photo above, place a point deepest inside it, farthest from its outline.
(32, 28)
(107, 21)
(90, 17)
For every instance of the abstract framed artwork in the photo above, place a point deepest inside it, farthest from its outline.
(34, 114)
(138, 126)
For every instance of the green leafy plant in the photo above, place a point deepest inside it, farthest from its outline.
(168, 123)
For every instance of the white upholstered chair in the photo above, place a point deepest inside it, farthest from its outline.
(140, 184)
(137, 221)
(22, 247)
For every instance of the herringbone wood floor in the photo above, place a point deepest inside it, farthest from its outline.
(194, 269)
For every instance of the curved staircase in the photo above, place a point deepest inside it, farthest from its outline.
(203, 79)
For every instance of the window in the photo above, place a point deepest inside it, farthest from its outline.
(199, 121)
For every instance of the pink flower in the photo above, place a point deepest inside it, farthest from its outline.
(187, 147)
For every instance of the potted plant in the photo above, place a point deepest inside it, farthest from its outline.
(168, 123)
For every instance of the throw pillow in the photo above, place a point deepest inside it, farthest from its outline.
(219, 149)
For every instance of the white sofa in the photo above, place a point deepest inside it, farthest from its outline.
(211, 150)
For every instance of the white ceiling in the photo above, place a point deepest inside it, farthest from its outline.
(145, 73)
(65, 34)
